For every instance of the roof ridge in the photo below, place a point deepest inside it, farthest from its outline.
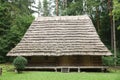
(78, 17)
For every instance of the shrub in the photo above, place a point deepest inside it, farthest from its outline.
(2, 59)
(20, 63)
(108, 61)
(118, 61)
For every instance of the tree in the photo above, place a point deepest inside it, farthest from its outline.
(74, 8)
(46, 11)
(2, 60)
(57, 8)
(24, 6)
(116, 11)
(5, 14)
(39, 8)
(116, 23)
(13, 24)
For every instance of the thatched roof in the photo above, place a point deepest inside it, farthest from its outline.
(57, 36)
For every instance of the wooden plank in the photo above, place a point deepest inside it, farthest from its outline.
(70, 67)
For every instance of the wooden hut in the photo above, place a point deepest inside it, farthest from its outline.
(62, 42)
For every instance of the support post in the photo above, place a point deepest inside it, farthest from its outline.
(61, 69)
(68, 69)
(79, 70)
(55, 69)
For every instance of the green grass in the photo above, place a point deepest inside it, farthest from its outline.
(7, 75)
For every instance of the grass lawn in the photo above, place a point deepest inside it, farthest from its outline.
(37, 75)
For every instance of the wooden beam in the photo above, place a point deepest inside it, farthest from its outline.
(60, 67)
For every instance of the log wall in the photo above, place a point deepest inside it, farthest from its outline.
(65, 61)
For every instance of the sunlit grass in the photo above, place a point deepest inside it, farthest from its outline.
(37, 75)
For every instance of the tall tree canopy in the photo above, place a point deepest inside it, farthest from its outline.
(116, 11)
(15, 18)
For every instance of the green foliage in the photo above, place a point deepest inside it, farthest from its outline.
(39, 7)
(20, 63)
(21, 24)
(2, 60)
(46, 11)
(116, 12)
(118, 61)
(5, 17)
(74, 8)
(108, 61)
(15, 33)
(45, 8)
(24, 6)
(118, 58)
(14, 21)
(118, 28)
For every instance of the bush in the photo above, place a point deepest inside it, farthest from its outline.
(118, 61)
(108, 61)
(2, 59)
(20, 63)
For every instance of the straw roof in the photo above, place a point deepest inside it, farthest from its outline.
(58, 36)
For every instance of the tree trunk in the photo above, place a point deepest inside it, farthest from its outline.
(111, 23)
(113, 32)
(114, 41)
(65, 3)
(97, 19)
(57, 11)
